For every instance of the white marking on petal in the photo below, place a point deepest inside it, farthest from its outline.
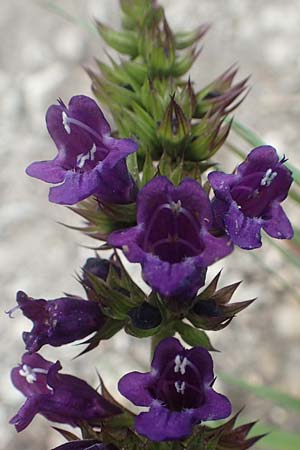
(180, 387)
(268, 177)
(65, 121)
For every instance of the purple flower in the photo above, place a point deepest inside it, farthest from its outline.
(249, 200)
(172, 239)
(58, 322)
(86, 444)
(89, 160)
(178, 391)
(59, 398)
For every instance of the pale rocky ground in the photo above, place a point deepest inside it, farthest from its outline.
(41, 58)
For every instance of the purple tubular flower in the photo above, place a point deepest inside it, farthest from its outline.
(172, 239)
(86, 444)
(89, 160)
(58, 322)
(59, 398)
(178, 391)
(249, 200)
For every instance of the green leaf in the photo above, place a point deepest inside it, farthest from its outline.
(148, 169)
(194, 336)
(276, 396)
(132, 164)
(139, 332)
(122, 41)
(176, 175)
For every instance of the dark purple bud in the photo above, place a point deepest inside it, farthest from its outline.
(145, 316)
(60, 398)
(207, 308)
(178, 391)
(89, 160)
(249, 200)
(172, 239)
(96, 266)
(58, 322)
(86, 444)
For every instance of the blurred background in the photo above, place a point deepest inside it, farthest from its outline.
(44, 46)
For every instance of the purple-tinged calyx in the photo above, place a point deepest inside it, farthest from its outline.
(172, 240)
(249, 200)
(89, 160)
(178, 390)
(58, 397)
(58, 322)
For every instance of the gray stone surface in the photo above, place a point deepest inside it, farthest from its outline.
(41, 56)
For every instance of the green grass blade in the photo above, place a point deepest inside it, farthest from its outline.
(294, 260)
(283, 283)
(61, 12)
(276, 440)
(265, 392)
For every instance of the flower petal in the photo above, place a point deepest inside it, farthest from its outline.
(152, 195)
(174, 279)
(69, 139)
(85, 109)
(27, 412)
(166, 351)
(129, 239)
(134, 386)
(115, 182)
(221, 183)
(161, 424)
(201, 358)
(243, 231)
(19, 380)
(215, 407)
(77, 186)
(48, 171)
(259, 159)
(278, 225)
(191, 193)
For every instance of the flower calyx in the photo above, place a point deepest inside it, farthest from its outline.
(211, 309)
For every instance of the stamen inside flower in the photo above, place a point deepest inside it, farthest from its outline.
(268, 177)
(180, 365)
(180, 387)
(175, 207)
(69, 120)
(65, 121)
(83, 157)
(30, 373)
(12, 310)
